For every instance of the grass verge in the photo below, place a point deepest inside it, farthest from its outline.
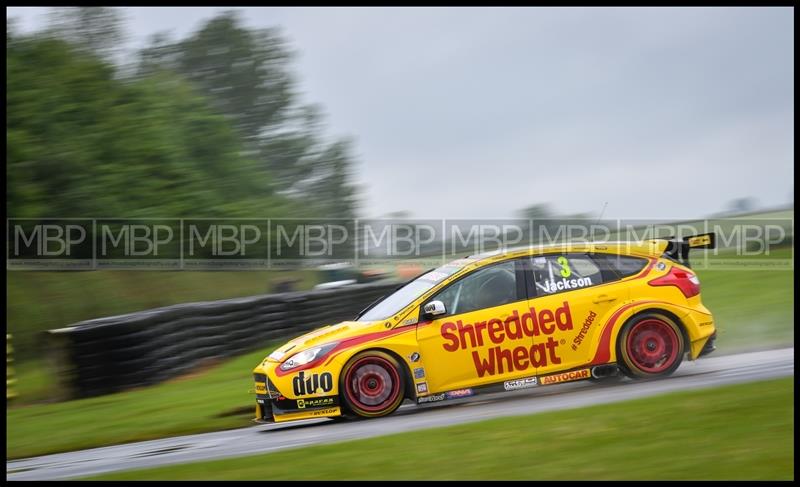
(737, 432)
(752, 309)
(215, 399)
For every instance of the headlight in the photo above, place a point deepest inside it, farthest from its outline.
(307, 356)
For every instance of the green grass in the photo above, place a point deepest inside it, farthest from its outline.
(211, 400)
(726, 433)
(752, 309)
(33, 384)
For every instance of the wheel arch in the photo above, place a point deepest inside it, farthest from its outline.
(605, 343)
(669, 314)
(408, 386)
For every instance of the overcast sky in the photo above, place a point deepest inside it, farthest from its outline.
(479, 112)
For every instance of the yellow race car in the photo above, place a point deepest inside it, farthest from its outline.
(500, 321)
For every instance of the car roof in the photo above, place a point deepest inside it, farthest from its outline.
(646, 248)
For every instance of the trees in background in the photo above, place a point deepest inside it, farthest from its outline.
(210, 125)
(94, 30)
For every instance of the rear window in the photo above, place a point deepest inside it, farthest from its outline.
(625, 265)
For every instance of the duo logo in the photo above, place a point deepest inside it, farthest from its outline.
(312, 384)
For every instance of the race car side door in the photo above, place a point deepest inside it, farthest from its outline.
(572, 295)
(479, 338)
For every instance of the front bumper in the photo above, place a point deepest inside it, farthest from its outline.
(274, 407)
(264, 411)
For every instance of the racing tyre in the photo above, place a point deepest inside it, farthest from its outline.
(650, 345)
(372, 384)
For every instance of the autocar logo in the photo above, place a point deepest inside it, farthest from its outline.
(566, 377)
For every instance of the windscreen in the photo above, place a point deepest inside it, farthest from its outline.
(401, 298)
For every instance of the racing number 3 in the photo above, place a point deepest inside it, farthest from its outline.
(564, 263)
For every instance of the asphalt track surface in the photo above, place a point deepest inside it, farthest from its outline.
(706, 372)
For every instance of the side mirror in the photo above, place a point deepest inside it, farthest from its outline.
(434, 308)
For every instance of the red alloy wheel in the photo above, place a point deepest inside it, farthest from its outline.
(653, 345)
(372, 384)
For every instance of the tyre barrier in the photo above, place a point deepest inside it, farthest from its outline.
(11, 381)
(113, 354)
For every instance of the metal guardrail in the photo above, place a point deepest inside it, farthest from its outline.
(113, 354)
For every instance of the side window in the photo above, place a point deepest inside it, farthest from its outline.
(488, 287)
(558, 273)
(624, 265)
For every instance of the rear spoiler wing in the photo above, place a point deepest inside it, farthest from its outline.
(678, 250)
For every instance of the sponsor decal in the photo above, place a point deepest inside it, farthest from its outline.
(414, 357)
(525, 383)
(499, 360)
(312, 384)
(565, 377)
(564, 263)
(419, 373)
(422, 387)
(260, 401)
(564, 284)
(699, 240)
(324, 412)
(459, 393)
(587, 323)
(410, 321)
(315, 403)
(261, 388)
(317, 334)
(433, 398)
(286, 404)
(561, 277)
